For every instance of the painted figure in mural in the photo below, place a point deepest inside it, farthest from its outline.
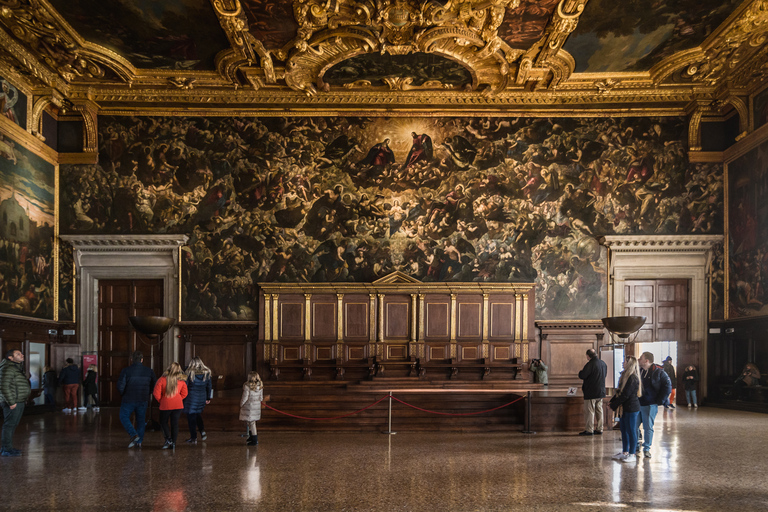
(420, 150)
(377, 158)
(8, 98)
(462, 151)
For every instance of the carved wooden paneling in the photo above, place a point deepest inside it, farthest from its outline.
(502, 319)
(226, 348)
(356, 316)
(291, 320)
(323, 320)
(396, 319)
(438, 316)
(470, 320)
(564, 346)
(470, 351)
(438, 351)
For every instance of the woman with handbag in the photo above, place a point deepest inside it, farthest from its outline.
(626, 404)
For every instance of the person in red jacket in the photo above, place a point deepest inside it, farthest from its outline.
(170, 391)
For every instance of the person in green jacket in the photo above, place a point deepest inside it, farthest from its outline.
(14, 391)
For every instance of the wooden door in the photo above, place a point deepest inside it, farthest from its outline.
(118, 300)
(664, 303)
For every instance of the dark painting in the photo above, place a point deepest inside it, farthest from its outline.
(760, 106)
(180, 34)
(353, 199)
(66, 282)
(26, 232)
(634, 35)
(418, 67)
(271, 21)
(13, 103)
(748, 234)
(525, 24)
(717, 298)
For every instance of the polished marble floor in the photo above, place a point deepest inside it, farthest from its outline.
(705, 459)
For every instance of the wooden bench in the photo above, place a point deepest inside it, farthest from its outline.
(307, 366)
(454, 366)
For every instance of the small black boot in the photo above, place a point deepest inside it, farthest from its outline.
(251, 441)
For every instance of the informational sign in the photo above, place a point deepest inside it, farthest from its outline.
(88, 360)
(572, 391)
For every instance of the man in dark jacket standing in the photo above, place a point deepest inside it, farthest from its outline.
(656, 389)
(69, 379)
(670, 371)
(135, 385)
(14, 391)
(593, 375)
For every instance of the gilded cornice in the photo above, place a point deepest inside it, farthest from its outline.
(661, 243)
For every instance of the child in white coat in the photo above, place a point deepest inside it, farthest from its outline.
(250, 405)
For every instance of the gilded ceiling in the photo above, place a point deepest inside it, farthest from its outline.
(522, 56)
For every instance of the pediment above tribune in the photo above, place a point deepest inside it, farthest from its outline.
(397, 278)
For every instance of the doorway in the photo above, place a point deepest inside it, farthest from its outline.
(118, 300)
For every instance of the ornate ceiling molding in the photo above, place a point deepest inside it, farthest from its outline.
(47, 52)
(740, 39)
(38, 27)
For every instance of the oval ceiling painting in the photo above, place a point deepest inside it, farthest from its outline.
(419, 67)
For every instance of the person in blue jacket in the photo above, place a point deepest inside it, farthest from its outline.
(135, 385)
(200, 392)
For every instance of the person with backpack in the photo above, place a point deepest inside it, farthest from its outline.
(656, 388)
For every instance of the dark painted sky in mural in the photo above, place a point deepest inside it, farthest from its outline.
(182, 34)
(636, 34)
(353, 199)
(420, 67)
(525, 24)
(26, 232)
(748, 234)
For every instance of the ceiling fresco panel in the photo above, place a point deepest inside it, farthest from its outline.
(419, 67)
(271, 21)
(635, 35)
(181, 34)
(524, 25)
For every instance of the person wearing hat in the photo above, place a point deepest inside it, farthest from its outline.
(670, 370)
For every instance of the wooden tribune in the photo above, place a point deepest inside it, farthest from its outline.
(396, 327)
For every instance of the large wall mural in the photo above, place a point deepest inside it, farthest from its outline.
(353, 199)
(748, 234)
(26, 231)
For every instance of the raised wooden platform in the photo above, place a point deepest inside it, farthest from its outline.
(551, 409)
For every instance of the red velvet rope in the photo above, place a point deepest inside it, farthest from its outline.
(332, 418)
(398, 400)
(458, 413)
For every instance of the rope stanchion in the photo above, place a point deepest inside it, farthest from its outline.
(330, 418)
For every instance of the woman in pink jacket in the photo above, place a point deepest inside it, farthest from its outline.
(170, 391)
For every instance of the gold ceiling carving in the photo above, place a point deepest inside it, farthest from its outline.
(464, 31)
(40, 46)
(41, 29)
(724, 52)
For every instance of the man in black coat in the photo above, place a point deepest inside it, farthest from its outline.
(135, 385)
(593, 374)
